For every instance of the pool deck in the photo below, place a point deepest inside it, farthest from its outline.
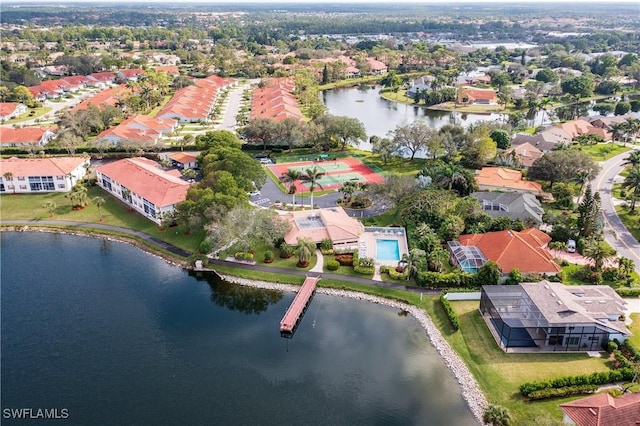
(368, 245)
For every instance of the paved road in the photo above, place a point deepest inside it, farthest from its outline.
(616, 233)
(176, 250)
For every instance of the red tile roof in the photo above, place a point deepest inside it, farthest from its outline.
(7, 108)
(501, 178)
(105, 97)
(511, 249)
(337, 225)
(604, 410)
(276, 101)
(478, 94)
(526, 152)
(10, 136)
(54, 166)
(144, 178)
(183, 158)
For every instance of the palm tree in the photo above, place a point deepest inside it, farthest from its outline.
(99, 201)
(599, 252)
(410, 261)
(632, 185)
(8, 176)
(633, 159)
(290, 176)
(625, 266)
(617, 130)
(305, 250)
(496, 415)
(437, 259)
(312, 176)
(582, 177)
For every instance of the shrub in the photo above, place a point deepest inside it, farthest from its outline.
(366, 261)
(333, 265)
(345, 259)
(564, 391)
(599, 378)
(612, 346)
(365, 268)
(205, 247)
(448, 309)
(449, 280)
(326, 244)
(628, 292)
(286, 251)
(268, 256)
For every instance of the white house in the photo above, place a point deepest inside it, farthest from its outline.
(142, 185)
(27, 175)
(9, 110)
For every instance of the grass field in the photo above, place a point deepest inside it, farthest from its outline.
(603, 151)
(500, 374)
(114, 212)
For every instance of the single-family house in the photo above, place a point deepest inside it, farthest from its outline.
(333, 223)
(23, 136)
(377, 67)
(502, 179)
(418, 85)
(545, 141)
(525, 251)
(132, 74)
(603, 410)
(551, 317)
(28, 175)
(101, 79)
(514, 205)
(9, 110)
(143, 186)
(478, 97)
(523, 155)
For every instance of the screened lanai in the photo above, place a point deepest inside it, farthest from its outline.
(468, 258)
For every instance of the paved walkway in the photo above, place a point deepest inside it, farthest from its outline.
(319, 266)
(177, 250)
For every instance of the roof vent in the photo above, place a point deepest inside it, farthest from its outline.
(592, 411)
(588, 302)
(546, 286)
(559, 302)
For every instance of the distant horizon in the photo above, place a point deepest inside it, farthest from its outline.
(262, 2)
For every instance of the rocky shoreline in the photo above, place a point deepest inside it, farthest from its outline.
(470, 390)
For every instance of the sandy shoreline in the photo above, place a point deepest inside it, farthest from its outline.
(470, 390)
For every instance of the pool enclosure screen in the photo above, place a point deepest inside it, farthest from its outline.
(517, 322)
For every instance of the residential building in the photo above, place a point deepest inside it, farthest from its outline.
(275, 100)
(132, 74)
(523, 155)
(20, 137)
(514, 205)
(28, 175)
(418, 85)
(551, 317)
(9, 110)
(143, 185)
(332, 223)
(194, 103)
(502, 179)
(184, 160)
(603, 410)
(525, 251)
(478, 97)
(140, 128)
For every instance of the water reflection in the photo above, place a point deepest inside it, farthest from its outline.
(248, 300)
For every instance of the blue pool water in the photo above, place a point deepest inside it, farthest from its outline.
(387, 250)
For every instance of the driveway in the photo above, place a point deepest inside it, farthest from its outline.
(615, 233)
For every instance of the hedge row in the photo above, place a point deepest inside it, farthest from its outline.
(628, 292)
(363, 270)
(391, 271)
(565, 391)
(453, 317)
(635, 352)
(448, 280)
(599, 378)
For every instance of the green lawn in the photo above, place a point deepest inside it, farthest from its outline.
(635, 329)
(500, 374)
(630, 219)
(39, 112)
(30, 206)
(603, 151)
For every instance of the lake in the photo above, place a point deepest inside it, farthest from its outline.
(117, 336)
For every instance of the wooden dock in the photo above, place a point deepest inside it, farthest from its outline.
(298, 306)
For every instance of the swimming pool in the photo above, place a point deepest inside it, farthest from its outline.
(387, 250)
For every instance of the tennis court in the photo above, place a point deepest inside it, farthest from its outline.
(336, 173)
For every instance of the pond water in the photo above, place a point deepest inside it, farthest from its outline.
(117, 336)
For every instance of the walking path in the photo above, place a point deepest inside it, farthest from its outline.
(319, 266)
(181, 252)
